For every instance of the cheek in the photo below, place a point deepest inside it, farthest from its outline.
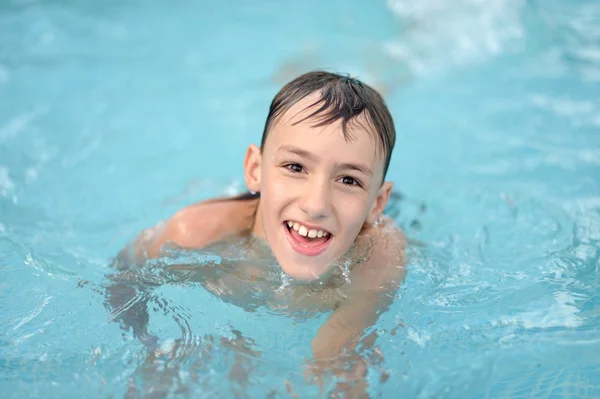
(274, 193)
(352, 214)
(280, 187)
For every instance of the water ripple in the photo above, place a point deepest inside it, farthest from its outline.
(33, 314)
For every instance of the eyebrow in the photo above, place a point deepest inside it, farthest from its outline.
(315, 158)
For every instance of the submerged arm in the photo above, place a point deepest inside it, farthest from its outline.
(373, 287)
(193, 227)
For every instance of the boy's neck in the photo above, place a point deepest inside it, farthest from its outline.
(256, 228)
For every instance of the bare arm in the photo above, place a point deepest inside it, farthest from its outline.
(374, 283)
(195, 226)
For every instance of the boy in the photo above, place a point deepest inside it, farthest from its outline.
(317, 190)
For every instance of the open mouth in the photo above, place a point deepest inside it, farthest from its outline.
(307, 241)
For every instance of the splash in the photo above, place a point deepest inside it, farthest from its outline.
(438, 34)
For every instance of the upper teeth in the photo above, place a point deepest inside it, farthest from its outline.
(303, 231)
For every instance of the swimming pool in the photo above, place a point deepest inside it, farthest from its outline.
(114, 115)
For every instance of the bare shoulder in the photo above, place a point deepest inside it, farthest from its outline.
(197, 226)
(384, 265)
(202, 223)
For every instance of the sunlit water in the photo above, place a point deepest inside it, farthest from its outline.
(113, 115)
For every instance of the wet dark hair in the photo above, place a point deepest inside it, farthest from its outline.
(342, 97)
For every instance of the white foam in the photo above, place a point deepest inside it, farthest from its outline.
(564, 106)
(6, 184)
(18, 124)
(439, 34)
(419, 339)
(233, 188)
(562, 313)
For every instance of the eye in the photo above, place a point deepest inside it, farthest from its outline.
(350, 181)
(294, 167)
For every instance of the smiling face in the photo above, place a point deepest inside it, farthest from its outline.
(317, 189)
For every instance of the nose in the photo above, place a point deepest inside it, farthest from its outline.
(316, 201)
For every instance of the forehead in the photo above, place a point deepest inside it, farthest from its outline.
(295, 126)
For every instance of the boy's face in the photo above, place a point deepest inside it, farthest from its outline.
(317, 190)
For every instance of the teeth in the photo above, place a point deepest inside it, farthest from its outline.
(303, 231)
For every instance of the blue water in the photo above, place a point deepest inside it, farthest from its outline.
(115, 114)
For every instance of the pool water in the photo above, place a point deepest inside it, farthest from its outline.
(113, 115)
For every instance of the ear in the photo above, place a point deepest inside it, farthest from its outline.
(380, 202)
(252, 168)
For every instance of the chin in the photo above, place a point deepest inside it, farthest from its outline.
(304, 273)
